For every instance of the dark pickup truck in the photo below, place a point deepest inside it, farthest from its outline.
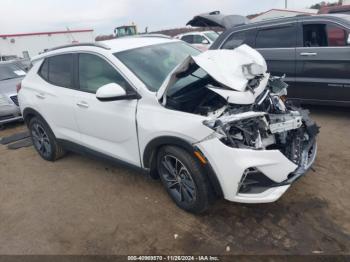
(312, 51)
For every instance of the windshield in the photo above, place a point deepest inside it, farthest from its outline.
(197, 76)
(212, 35)
(9, 71)
(152, 64)
(123, 31)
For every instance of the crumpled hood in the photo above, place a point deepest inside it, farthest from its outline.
(225, 66)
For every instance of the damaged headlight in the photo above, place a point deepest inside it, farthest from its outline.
(244, 130)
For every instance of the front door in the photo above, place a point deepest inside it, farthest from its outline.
(323, 66)
(106, 127)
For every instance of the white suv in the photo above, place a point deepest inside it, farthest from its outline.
(209, 124)
(200, 40)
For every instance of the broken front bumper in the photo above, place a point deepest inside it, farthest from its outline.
(232, 165)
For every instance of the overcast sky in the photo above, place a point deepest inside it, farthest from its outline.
(19, 16)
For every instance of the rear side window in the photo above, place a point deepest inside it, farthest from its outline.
(57, 70)
(235, 40)
(187, 38)
(281, 37)
(60, 70)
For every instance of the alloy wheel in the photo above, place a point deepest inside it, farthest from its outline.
(178, 179)
(41, 140)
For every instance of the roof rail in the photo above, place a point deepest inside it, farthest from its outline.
(79, 44)
(153, 35)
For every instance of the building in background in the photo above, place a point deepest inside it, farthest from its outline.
(31, 44)
(280, 13)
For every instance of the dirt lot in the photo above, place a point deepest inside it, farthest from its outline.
(79, 205)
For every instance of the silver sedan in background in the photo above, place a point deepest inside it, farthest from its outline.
(11, 74)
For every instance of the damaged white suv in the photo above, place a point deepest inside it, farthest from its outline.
(210, 124)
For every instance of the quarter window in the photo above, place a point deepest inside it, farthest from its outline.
(281, 37)
(44, 70)
(95, 72)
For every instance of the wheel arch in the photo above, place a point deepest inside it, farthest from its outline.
(150, 156)
(29, 113)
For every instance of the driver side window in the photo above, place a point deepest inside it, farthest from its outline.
(321, 35)
(95, 72)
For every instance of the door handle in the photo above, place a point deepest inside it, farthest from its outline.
(308, 54)
(83, 104)
(40, 95)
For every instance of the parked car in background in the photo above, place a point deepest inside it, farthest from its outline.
(209, 124)
(200, 40)
(7, 58)
(312, 51)
(339, 9)
(10, 76)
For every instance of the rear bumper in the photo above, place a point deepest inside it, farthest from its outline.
(9, 113)
(12, 119)
(231, 164)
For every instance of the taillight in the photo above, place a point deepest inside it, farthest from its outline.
(19, 86)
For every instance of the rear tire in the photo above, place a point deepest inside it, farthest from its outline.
(184, 179)
(44, 141)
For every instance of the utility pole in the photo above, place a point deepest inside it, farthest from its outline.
(285, 4)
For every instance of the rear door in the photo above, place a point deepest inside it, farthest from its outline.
(323, 67)
(55, 96)
(277, 44)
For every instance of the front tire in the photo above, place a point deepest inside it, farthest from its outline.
(44, 141)
(183, 178)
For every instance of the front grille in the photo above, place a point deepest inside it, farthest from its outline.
(14, 100)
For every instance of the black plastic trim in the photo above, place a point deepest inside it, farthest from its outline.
(30, 111)
(130, 96)
(79, 149)
(149, 158)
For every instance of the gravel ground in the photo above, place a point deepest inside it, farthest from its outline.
(79, 205)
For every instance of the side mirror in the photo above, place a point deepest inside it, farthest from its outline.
(205, 42)
(348, 40)
(114, 92)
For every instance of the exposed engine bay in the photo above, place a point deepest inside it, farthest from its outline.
(256, 115)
